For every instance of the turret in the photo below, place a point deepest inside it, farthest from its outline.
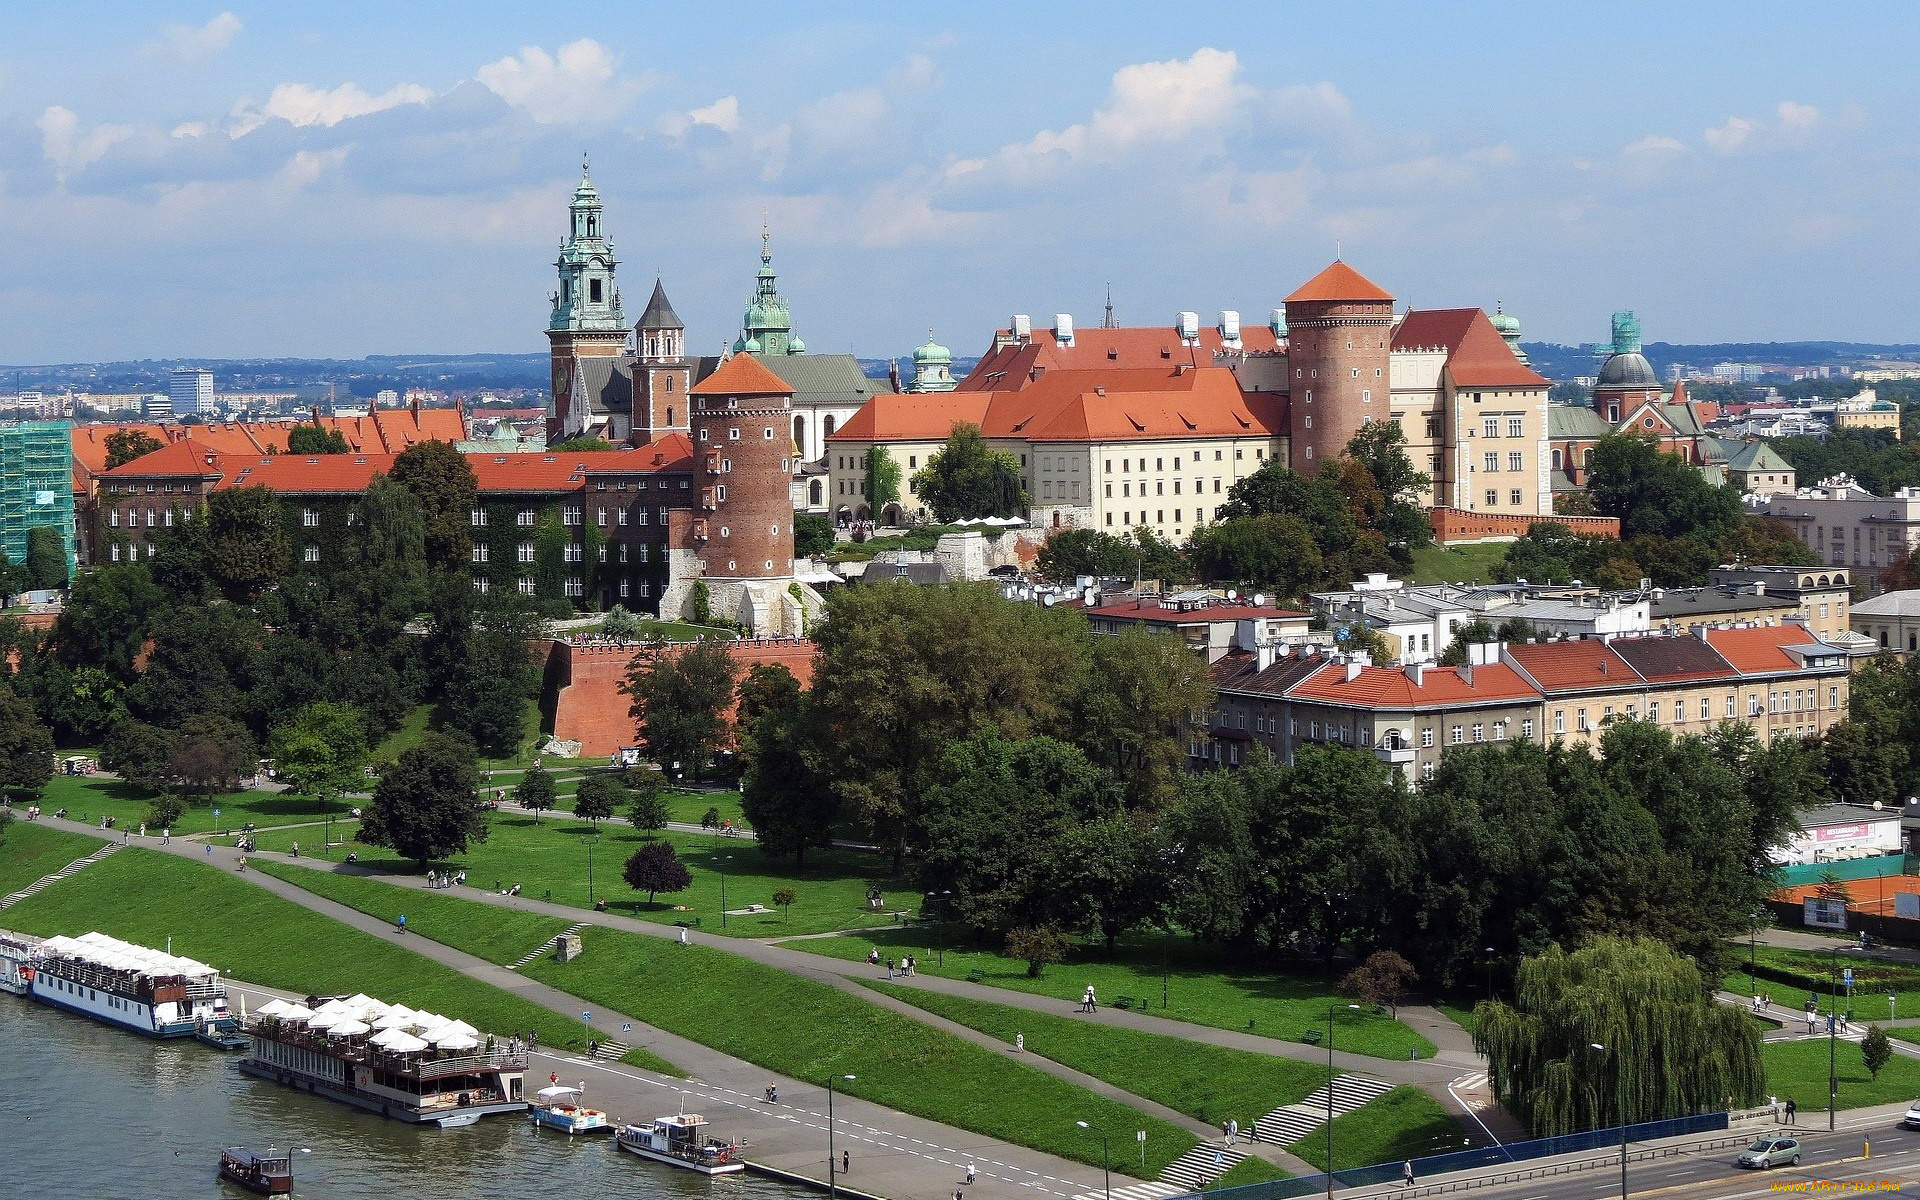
(1338, 324)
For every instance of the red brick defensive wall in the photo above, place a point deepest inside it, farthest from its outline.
(1452, 526)
(582, 695)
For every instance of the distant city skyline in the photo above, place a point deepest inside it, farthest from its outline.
(189, 181)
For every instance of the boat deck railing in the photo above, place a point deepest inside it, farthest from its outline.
(422, 1063)
(205, 991)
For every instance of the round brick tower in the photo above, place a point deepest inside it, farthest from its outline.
(743, 466)
(1339, 336)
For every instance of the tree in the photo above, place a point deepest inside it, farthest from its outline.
(765, 688)
(536, 792)
(13, 580)
(442, 481)
(784, 897)
(214, 753)
(1109, 875)
(1876, 1050)
(680, 700)
(1470, 633)
(1038, 946)
(125, 445)
(1277, 552)
(600, 796)
(494, 673)
(1381, 980)
(1141, 554)
(1379, 448)
(1134, 712)
(966, 478)
(1670, 1049)
(812, 534)
(139, 752)
(322, 750)
(26, 748)
(655, 868)
(1654, 492)
(426, 805)
(781, 795)
(621, 625)
(46, 558)
(881, 486)
(648, 811)
(312, 439)
(247, 546)
(580, 445)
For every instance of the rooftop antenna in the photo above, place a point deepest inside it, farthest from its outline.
(766, 237)
(1108, 323)
(1336, 249)
(585, 169)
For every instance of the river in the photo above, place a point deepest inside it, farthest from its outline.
(92, 1112)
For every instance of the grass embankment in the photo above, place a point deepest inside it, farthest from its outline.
(1210, 1083)
(146, 898)
(798, 1028)
(1799, 1070)
(29, 850)
(87, 798)
(1791, 974)
(1458, 1014)
(423, 717)
(1404, 1123)
(1449, 564)
(549, 859)
(1202, 988)
(486, 931)
(1248, 1170)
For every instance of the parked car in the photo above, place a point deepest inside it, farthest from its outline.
(1912, 1119)
(1770, 1152)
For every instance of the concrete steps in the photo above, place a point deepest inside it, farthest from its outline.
(45, 881)
(1291, 1122)
(1200, 1166)
(544, 948)
(611, 1050)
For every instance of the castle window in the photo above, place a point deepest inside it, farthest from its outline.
(774, 530)
(312, 554)
(769, 433)
(733, 435)
(726, 466)
(526, 552)
(724, 531)
(1516, 461)
(526, 518)
(526, 586)
(1366, 395)
(1516, 426)
(1513, 498)
(1356, 372)
(1493, 498)
(309, 518)
(593, 291)
(703, 435)
(1309, 421)
(1490, 427)
(669, 392)
(769, 564)
(720, 493)
(600, 516)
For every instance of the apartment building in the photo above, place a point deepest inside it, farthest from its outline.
(1848, 526)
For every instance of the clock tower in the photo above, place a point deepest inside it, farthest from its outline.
(586, 321)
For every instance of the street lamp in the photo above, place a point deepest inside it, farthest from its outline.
(1833, 1025)
(832, 1186)
(1489, 951)
(591, 843)
(724, 858)
(1753, 952)
(945, 897)
(1620, 1097)
(1331, 1009)
(1106, 1158)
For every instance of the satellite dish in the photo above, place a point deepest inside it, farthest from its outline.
(1048, 601)
(1259, 599)
(1232, 595)
(1876, 806)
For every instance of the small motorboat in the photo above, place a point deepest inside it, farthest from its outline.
(559, 1108)
(681, 1141)
(268, 1174)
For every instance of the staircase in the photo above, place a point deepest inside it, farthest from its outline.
(541, 950)
(1289, 1123)
(1139, 1191)
(611, 1050)
(1200, 1166)
(37, 885)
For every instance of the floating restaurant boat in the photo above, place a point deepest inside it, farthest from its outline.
(408, 1065)
(680, 1141)
(148, 991)
(269, 1174)
(16, 963)
(559, 1108)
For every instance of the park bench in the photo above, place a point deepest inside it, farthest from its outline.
(1124, 1002)
(689, 923)
(976, 976)
(1311, 1037)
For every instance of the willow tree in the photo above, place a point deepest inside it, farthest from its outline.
(1670, 1051)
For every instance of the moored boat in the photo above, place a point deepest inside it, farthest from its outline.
(681, 1141)
(559, 1107)
(148, 991)
(16, 963)
(269, 1174)
(409, 1065)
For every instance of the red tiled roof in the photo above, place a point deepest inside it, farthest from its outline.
(494, 473)
(299, 474)
(1339, 282)
(175, 458)
(1762, 648)
(1079, 406)
(1574, 665)
(387, 431)
(889, 417)
(1477, 356)
(1391, 687)
(1159, 615)
(743, 375)
(1013, 366)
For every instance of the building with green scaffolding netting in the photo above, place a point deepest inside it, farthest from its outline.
(36, 484)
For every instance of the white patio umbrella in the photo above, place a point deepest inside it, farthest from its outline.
(463, 1027)
(349, 1028)
(399, 1041)
(454, 1041)
(273, 1008)
(295, 1012)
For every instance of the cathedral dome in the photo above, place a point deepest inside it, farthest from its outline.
(932, 352)
(749, 345)
(1628, 369)
(796, 346)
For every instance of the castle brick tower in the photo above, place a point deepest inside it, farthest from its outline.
(1340, 330)
(743, 466)
(662, 373)
(586, 321)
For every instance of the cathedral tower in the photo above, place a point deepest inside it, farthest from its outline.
(743, 464)
(586, 321)
(767, 327)
(1339, 328)
(662, 373)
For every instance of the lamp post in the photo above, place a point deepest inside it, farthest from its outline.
(1620, 1099)
(832, 1183)
(591, 842)
(723, 860)
(1106, 1157)
(1833, 1045)
(1489, 952)
(1331, 1009)
(945, 897)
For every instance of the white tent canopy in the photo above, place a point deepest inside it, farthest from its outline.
(399, 1041)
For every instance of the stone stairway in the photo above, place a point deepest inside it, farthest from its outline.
(1200, 1166)
(1291, 1122)
(35, 887)
(543, 948)
(611, 1050)
(1138, 1191)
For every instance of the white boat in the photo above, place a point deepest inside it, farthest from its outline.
(17, 956)
(148, 991)
(559, 1107)
(681, 1141)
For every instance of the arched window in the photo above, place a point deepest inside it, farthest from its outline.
(827, 426)
(800, 433)
(1556, 459)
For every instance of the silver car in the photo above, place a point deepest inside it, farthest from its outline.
(1770, 1152)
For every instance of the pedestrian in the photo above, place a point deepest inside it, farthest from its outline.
(1793, 1110)
(533, 1039)
(1019, 1042)
(846, 1162)
(166, 836)
(1092, 1004)
(143, 829)
(209, 849)
(970, 1174)
(889, 968)
(683, 935)
(1406, 1168)
(1233, 1131)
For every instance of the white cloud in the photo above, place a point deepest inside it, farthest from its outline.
(68, 147)
(723, 114)
(1303, 103)
(1728, 138)
(1794, 126)
(187, 44)
(190, 129)
(1655, 145)
(1796, 117)
(300, 105)
(578, 84)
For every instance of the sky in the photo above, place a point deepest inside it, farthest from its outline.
(356, 178)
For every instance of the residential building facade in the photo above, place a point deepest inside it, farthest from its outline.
(1848, 526)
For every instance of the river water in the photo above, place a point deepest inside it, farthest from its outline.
(87, 1111)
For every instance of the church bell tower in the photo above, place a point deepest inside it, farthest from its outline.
(586, 320)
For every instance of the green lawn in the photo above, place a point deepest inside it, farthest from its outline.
(1248, 1170)
(87, 798)
(1202, 988)
(549, 859)
(1404, 1123)
(30, 850)
(1799, 1070)
(1461, 1015)
(1447, 564)
(417, 722)
(1210, 1083)
(499, 935)
(406, 735)
(798, 1027)
(255, 935)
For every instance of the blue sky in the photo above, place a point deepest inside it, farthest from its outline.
(353, 178)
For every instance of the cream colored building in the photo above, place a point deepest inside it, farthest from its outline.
(1848, 526)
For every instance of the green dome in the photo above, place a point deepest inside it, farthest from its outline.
(932, 352)
(1505, 324)
(796, 346)
(751, 345)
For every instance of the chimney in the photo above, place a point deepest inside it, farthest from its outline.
(1264, 656)
(1417, 673)
(1357, 662)
(415, 406)
(1063, 328)
(316, 414)
(1022, 328)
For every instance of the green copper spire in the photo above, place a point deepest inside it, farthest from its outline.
(1626, 333)
(767, 324)
(587, 298)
